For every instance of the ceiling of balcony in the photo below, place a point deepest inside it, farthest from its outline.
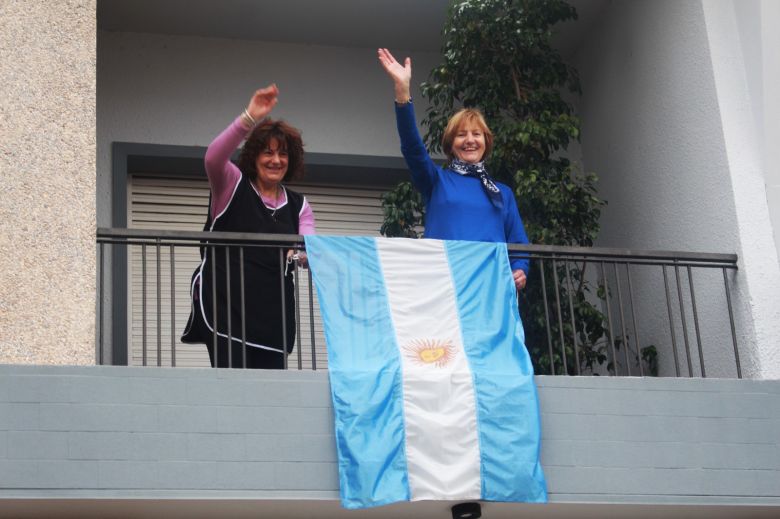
(400, 24)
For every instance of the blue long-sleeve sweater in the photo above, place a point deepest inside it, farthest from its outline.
(456, 206)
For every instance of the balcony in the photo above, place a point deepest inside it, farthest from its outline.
(165, 436)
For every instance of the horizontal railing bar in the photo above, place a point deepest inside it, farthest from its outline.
(210, 244)
(233, 237)
(116, 235)
(601, 252)
(624, 259)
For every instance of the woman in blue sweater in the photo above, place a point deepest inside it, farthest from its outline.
(462, 202)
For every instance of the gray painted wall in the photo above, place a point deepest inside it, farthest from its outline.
(759, 281)
(185, 90)
(770, 13)
(759, 41)
(146, 433)
(653, 129)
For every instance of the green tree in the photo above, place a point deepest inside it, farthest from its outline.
(497, 56)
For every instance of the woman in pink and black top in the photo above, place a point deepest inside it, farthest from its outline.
(251, 198)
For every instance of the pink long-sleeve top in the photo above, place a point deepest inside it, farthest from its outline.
(224, 176)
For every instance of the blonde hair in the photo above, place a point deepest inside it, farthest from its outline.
(463, 116)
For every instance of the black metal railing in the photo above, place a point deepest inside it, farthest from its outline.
(147, 302)
(585, 310)
(584, 327)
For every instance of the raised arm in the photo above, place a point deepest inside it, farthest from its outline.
(424, 171)
(223, 175)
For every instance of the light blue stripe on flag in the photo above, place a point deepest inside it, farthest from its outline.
(364, 369)
(507, 404)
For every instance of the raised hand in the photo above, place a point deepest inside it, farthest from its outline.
(262, 102)
(400, 74)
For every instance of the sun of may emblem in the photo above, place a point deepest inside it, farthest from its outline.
(438, 352)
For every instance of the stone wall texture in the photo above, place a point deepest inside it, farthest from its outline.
(47, 171)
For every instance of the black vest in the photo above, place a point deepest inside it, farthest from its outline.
(263, 270)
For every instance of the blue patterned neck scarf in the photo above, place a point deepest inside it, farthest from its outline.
(478, 170)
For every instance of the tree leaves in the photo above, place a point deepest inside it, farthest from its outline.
(403, 212)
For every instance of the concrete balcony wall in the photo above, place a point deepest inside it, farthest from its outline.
(159, 434)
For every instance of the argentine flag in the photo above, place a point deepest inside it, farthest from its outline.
(432, 386)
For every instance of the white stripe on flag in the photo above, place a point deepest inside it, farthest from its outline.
(442, 446)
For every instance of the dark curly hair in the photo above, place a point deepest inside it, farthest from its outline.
(289, 139)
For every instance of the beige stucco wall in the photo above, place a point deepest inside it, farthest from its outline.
(47, 176)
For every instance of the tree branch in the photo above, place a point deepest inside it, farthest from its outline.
(516, 81)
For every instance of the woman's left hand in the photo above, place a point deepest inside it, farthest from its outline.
(401, 74)
(519, 278)
(299, 256)
(262, 102)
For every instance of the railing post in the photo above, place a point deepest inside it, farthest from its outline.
(143, 305)
(571, 314)
(547, 319)
(311, 323)
(731, 322)
(296, 279)
(101, 303)
(243, 305)
(671, 322)
(622, 319)
(633, 319)
(215, 337)
(682, 318)
(173, 305)
(696, 322)
(229, 311)
(610, 336)
(560, 317)
(159, 304)
(284, 307)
